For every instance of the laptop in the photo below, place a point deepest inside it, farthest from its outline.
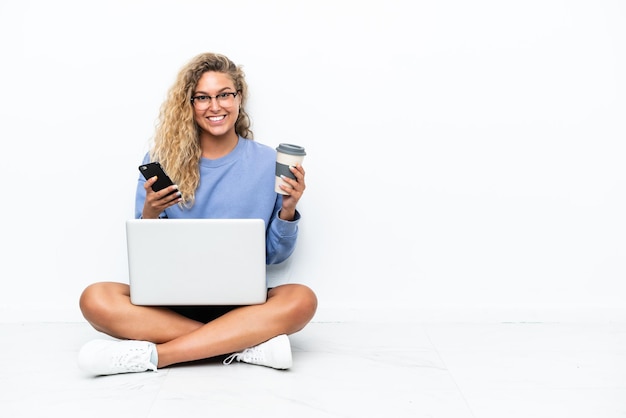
(196, 261)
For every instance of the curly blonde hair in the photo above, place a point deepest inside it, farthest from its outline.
(176, 140)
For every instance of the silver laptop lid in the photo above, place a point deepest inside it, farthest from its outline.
(196, 261)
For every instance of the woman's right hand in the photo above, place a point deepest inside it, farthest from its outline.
(157, 202)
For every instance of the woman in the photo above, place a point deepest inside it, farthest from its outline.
(204, 142)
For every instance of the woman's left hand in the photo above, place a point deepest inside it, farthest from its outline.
(294, 191)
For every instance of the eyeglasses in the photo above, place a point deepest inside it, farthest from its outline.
(203, 101)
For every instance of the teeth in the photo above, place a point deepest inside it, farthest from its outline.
(215, 118)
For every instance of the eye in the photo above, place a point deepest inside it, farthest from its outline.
(202, 99)
(223, 95)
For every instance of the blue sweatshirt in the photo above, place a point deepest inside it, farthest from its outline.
(238, 185)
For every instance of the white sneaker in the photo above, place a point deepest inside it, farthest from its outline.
(275, 353)
(102, 357)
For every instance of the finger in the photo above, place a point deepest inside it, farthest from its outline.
(169, 200)
(167, 191)
(291, 184)
(290, 196)
(297, 170)
(148, 184)
(296, 176)
(174, 198)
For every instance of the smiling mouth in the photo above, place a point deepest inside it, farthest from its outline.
(216, 118)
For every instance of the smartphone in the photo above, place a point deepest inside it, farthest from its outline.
(150, 170)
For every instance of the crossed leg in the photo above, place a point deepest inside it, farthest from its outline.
(107, 307)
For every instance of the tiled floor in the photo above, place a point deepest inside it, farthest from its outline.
(450, 370)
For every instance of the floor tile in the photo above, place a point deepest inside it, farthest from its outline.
(348, 369)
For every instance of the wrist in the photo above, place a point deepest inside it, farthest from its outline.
(287, 215)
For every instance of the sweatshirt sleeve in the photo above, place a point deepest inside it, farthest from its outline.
(140, 192)
(281, 237)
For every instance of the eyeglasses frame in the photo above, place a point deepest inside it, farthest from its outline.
(234, 94)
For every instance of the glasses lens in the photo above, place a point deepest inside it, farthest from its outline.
(226, 99)
(201, 102)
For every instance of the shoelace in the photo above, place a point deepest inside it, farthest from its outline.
(134, 360)
(247, 355)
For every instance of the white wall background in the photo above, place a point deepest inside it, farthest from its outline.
(465, 159)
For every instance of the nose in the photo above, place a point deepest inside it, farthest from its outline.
(214, 103)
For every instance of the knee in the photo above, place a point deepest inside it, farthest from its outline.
(304, 304)
(93, 301)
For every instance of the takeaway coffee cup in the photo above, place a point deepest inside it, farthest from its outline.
(287, 155)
